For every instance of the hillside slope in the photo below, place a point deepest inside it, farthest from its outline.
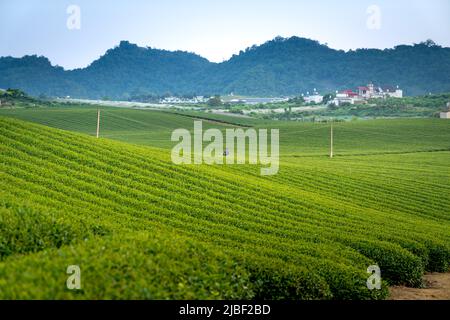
(278, 67)
(154, 128)
(141, 227)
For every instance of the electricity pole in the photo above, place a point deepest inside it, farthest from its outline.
(331, 139)
(98, 122)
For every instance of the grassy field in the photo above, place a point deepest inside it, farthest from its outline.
(153, 128)
(133, 126)
(140, 227)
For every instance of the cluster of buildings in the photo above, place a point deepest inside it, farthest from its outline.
(365, 93)
(176, 100)
(255, 101)
(361, 95)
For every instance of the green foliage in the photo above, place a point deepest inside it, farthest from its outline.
(12, 93)
(328, 97)
(215, 101)
(155, 230)
(141, 266)
(283, 282)
(278, 67)
(14, 96)
(23, 230)
(400, 265)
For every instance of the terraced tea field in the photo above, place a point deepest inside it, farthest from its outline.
(133, 126)
(141, 227)
(153, 128)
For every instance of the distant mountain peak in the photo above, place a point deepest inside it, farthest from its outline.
(124, 44)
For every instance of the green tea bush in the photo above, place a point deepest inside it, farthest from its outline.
(143, 228)
(397, 265)
(130, 267)
(24, 230)
(277, 281)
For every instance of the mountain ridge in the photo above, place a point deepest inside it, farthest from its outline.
(282, 66)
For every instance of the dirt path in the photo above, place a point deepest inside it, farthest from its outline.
(437, 287)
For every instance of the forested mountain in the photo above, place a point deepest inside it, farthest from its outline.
(282, 66)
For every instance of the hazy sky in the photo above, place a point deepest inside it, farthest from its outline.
(214, 29)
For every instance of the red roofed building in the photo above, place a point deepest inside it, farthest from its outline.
(366, 92)
(350, 93)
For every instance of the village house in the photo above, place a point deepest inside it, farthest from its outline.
(347, 96)
(445, 114)
(315, 97)
(393, 93)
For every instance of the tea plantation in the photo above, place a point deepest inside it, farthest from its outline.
(141, 227)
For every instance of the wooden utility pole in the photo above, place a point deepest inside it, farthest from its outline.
(98, 122)
(331, 139)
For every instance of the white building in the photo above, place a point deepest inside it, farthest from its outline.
(445, 114)
(367, 92)
(396, 93)
(316, 98)
(347, 96)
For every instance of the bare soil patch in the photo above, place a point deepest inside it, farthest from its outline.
(436, 287)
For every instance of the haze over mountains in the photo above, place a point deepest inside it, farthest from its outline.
(280, 67)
